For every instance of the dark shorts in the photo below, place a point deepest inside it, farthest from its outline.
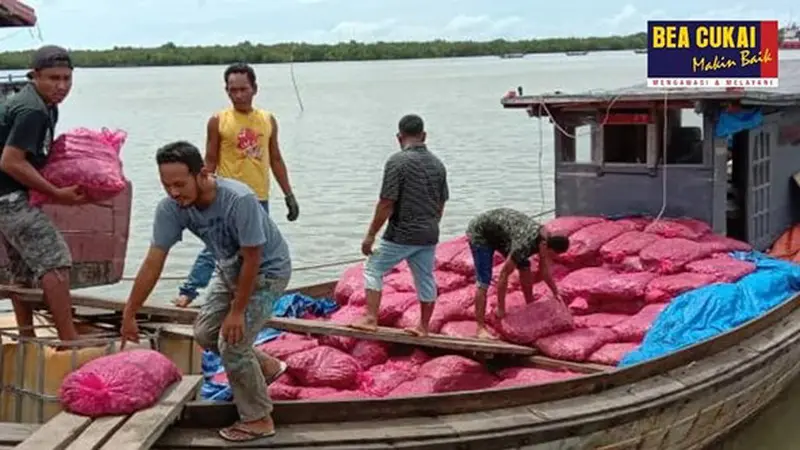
(33, 244)
(482, 257)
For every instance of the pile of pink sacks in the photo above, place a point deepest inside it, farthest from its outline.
(616, 278)
(349, 369)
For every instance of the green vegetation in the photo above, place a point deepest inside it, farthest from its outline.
(171, 55)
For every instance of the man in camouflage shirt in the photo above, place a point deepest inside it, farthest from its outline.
(517, 237)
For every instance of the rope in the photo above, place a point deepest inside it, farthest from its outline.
(299, 269)
(12, 34)
(663, 163)
(294, 80)
(307, 268)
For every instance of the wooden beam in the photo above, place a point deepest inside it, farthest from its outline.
(550, 363)
(397, 336)
(12, 433)
(144, 428)
(173, 312)
(98, 433)
(57, 433)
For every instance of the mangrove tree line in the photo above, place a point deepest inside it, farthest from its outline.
(170, 54)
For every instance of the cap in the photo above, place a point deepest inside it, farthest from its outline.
(50, 56)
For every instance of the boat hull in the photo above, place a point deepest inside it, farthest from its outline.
(686, 408)
(683, 401)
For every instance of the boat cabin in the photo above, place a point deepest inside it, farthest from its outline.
(14, 14)
(725, 156)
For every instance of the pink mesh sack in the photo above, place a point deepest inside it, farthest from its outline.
(86, 158)
(118, 384)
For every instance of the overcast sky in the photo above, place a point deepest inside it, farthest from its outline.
(108, 23)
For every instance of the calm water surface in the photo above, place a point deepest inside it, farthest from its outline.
(336, 148)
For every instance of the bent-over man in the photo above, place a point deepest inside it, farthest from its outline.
(254, 268)
(517, 237)
(412, 198)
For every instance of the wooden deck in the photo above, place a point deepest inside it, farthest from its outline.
(684, 408)
(138, 431)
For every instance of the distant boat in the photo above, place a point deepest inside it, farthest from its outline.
(791, 38)
(640, 50)
(10, 84)
(512, 55)
(578, 53)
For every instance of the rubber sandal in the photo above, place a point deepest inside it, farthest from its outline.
(245, 434)
(281, 371)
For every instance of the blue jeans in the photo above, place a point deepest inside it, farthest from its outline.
(420, 259)
(203, 269)
(482, 257)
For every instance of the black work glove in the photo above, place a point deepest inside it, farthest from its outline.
(293, 207)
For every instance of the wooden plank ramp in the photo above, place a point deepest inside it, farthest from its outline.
(304, 326)
(35, 296)
(137, 431)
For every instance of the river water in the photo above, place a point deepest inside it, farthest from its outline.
(336, 147)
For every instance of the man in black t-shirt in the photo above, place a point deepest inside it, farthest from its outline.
(412, 198)
(37, 253)
(516, 236)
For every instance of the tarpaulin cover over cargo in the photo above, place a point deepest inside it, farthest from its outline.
(636, 288)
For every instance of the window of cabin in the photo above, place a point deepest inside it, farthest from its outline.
(625, 143)
(685, 137)
(573, 143)
(583, 144)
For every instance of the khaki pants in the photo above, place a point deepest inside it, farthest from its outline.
(241, 361)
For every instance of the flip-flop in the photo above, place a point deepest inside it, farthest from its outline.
(245, 434)
(281, 370)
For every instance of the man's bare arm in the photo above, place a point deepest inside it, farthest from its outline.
(545, 268)
(383, 210)
(146, 280)
(14, 162)
(276, 163)
(502, 282)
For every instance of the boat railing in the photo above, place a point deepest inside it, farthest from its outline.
(13, 78)
(32, 368)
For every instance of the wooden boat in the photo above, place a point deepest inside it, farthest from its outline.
(10, 84)
(14, 14)
(790, 37)
(511, 55)
(683, 400)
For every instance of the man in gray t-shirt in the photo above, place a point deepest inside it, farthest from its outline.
(412, 198)
(254, 267)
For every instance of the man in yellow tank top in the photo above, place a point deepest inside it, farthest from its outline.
(242, 144)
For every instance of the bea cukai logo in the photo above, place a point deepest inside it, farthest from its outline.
(713, 37)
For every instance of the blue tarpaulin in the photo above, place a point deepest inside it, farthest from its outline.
(705, 312)
(291, 305)
(730, 123)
